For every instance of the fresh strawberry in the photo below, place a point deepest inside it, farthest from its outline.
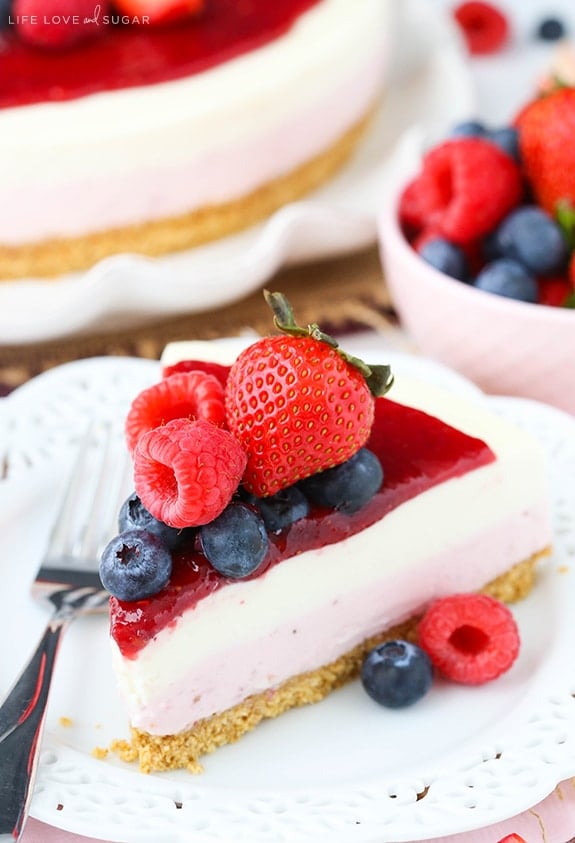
(216, 369)
(571, 271)
(297, 404)
(467, 186)
(553, 291)
(185, 472)
(470, 638)
(159, 11)
(512, 838)
(193, 395)
(484, 27)
(57, 24)
(546, 129)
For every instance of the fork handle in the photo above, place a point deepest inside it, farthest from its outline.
(22, 717)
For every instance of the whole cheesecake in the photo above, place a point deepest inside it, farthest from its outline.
(462, 508)
(156, 139)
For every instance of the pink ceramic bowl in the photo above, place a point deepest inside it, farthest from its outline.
(507, 347)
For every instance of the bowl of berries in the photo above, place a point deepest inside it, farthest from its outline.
(477, 238)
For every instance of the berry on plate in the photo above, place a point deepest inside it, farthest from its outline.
(216, 369)
(467, 185)
(56, 24)
(134, 516)
(191, 395)
(397, 674)
(159, 11)
(512, 838)
(297, 404)
(185, 472)
(281, 510)
(484, 27)
(135, 565)
(347, 486)
(236, 542)
(470, 638)
(550, 29)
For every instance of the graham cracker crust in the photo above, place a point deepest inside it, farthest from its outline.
(182, 751)
(50, 258)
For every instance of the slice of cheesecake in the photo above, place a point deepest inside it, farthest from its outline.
(462, 507)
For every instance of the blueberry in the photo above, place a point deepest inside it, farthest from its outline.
(134, 516)
(507, 139)
(348, 486)
(397, 674)
(490, 247)
(135, 565)
(532, 237)
(551, 29)
(446, 257)
(468, 129)
(507, 277)
(279, 511)
(235, 543)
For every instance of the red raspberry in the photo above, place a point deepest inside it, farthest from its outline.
(216, 369)
(484, 27)
(185, 472)
(186, 395)
(470, 638)
(55, 24)
(468, 185)
(413, 209)
(553, 291)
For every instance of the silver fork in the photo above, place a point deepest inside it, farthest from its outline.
(68, 581)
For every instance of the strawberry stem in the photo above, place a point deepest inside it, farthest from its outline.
(378, 378)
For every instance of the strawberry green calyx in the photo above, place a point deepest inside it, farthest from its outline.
(378, 378)
(565, 216)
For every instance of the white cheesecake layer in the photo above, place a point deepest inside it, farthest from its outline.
(310, 609)
(128, 156)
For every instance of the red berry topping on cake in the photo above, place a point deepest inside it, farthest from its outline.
(466, 187)
(57, 24)
(191, 395)
(546, 129)
(470, 638)
(159, 11)
(185, 472)
(297, 404)
(484, 27)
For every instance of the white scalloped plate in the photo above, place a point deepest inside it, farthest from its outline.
(340, 771)
(431, 81)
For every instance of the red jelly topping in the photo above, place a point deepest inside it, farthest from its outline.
(417, 451)
(127, 55)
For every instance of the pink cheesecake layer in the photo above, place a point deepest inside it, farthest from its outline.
(314, 639)
(102, 200)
